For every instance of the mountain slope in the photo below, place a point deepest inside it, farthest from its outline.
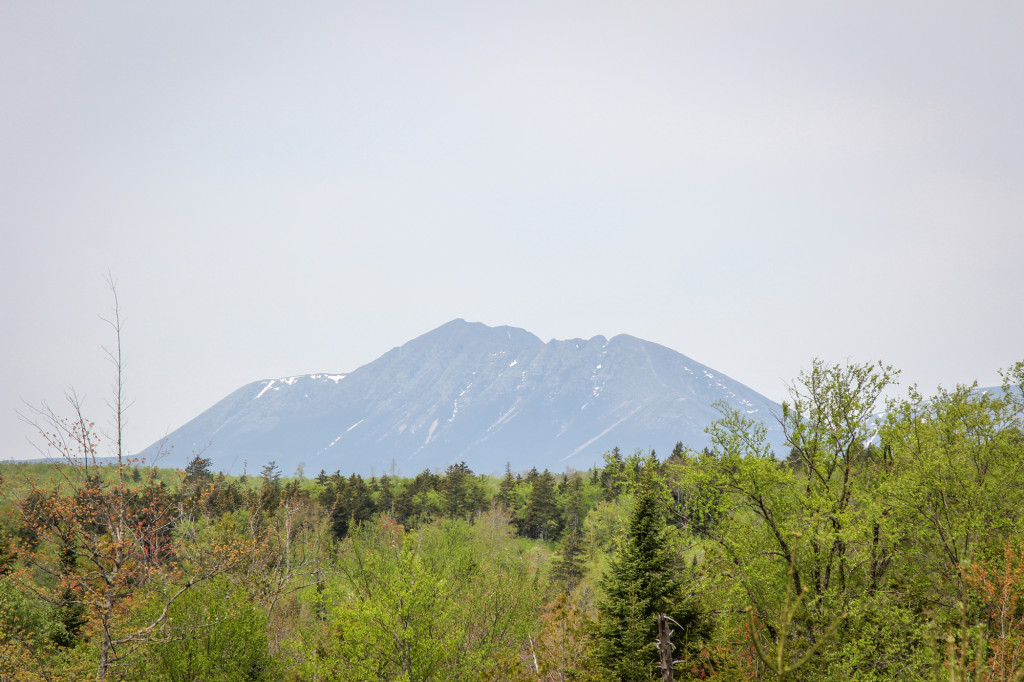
(466, 391)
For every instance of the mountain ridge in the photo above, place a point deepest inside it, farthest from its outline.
(469, 392)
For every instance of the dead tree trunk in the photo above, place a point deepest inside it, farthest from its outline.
(665, 647)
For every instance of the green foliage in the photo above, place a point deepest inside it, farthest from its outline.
(418, 501)
(198, 470)
(505, 489)
(569, 568)
(748, 506)
(461, 493)
(783, 661)
(643, 580)
(25, 627)
(959, 459)
(912, 527)
(215, 633)
(440, 604)
(576, 497)
(604, 524)
(542, 518)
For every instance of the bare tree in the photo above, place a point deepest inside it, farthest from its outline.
(105, 540)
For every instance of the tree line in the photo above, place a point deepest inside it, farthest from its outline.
(884, 544)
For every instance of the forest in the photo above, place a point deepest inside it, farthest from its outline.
(887, 543)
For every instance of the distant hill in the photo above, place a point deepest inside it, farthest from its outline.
(466, 391)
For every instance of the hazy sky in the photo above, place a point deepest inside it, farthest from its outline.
(286, 188)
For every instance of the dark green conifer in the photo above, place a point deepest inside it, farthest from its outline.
(386, 499)
(613, 473)
(641, 582)
(543, 518)
(198, 470)
(456, 491)
(569, 567)
(505, 489)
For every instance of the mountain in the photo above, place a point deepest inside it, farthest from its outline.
(473, 393)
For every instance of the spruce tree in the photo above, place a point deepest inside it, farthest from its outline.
(386, 499)
(569, 567)
(641, 582)
(543, 518)
(455, 490)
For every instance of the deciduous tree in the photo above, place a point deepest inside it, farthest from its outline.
(101, 543)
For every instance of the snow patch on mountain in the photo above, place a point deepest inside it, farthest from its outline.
(271, 384)
(265, 389)
(599, 436)
(466, 391)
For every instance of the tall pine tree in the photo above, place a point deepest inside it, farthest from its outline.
(642, 581)
(542, 518)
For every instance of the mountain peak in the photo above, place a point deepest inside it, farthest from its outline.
(469, 392)
(460, 329)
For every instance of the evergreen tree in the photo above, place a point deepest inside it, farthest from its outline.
(505, 488)
(334, 497)
(573, 503)
(543, 518)
(569, 567)
(197, 476)
(456, 491)
(414, 504)
(70, 615)
(613, 474)
(270, 488)
(198, 469)
(360, 499)
(224, 497)
(640, 584)
(386, 499)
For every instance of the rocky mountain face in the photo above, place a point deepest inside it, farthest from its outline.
(473, 393)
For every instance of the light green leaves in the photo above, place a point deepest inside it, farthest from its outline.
(438, 604)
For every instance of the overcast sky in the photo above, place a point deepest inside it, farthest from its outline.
(287, 188)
